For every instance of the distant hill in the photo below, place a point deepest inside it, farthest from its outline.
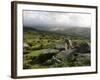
(71, 31)
(79, 31)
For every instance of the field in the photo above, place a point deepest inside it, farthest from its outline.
(39, 42)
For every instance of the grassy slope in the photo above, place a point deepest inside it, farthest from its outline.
(41, 41)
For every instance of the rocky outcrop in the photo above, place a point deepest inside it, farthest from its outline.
(61, 51)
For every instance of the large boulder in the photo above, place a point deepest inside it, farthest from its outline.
(43, 57)
(84, 48)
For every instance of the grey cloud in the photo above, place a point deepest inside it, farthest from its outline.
(54, 19)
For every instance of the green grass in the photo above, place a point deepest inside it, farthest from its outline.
(36, 52)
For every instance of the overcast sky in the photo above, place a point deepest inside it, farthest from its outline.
(56, 19)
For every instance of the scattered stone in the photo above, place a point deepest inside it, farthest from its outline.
(25, 45)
